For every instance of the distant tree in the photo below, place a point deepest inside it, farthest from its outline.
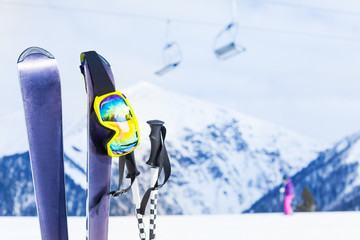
(308, 203)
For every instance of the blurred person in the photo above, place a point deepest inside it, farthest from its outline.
(288, 190)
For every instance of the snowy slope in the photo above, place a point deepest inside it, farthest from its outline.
(222, 160)
(245, 226)
(333, 179)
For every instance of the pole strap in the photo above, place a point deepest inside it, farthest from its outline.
(119, 191)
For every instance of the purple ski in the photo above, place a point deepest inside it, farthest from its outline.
(41, 93)
(98, 162)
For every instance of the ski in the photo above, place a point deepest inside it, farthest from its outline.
(98, 162)
(41, 94)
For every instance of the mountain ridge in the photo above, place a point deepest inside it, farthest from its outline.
(222, 160)
(333, 178)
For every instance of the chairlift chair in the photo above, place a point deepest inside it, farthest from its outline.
(171, 56)
(225, 45)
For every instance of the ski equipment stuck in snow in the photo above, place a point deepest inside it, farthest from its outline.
(132, 174)
(98, 81)
(110, 111)
(41, 93)
(159, 162)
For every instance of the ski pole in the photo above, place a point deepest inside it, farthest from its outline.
(158, 161)
(139, 216)
(133, 173)
(155, 141)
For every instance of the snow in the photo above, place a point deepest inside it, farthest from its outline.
(275, 226)
(342, 145)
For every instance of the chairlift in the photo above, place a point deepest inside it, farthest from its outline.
(172, 55)
(225, 43)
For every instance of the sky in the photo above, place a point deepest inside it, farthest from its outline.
(300, 69)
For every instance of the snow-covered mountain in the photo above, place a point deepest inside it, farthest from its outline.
(222, 160)
(333, 179)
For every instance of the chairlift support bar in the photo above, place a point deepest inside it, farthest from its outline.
(168, 22)
(171, 53)
(166, 69)
(231, 47)
(234, 11)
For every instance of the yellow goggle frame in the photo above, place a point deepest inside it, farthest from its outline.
(110, 125)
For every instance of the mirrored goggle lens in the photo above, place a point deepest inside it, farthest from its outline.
(116, 113)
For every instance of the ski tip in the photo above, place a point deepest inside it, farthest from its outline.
(82, 58)
(104, 60)
(34, 50)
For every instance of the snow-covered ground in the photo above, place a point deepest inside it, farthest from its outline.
(314, 226)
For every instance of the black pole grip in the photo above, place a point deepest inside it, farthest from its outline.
(155, 141)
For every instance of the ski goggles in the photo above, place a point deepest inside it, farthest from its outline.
(115, 113)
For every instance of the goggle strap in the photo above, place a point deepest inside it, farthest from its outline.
(102, 83)
(164, 166)
(116, 193)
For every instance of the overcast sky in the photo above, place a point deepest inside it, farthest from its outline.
(300, 69)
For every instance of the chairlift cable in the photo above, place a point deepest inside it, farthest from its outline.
(77, 9)
(199, 22)
(167, 31)
(302, 6)
(270, 2)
